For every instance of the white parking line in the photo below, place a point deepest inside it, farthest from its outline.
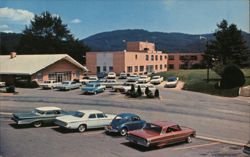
(220, 140)
(197, 146)
(5, 113)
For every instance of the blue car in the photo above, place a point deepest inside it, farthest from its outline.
(93, 88)
(125, 122)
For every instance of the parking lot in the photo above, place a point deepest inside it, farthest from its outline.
(210, 116)
(53, 141)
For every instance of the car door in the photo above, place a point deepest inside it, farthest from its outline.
(135, 123)
(175, 134)
(103, 119)
(49, 117)
(93, 121)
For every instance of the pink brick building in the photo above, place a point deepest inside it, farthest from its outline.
(178, 61)
(139, 58)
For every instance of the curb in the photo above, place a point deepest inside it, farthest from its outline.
(220, 140)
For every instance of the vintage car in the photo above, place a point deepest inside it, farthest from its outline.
(123, 75)
(156, 79)
(88, 79)
(93, 88)
(50, 84)
(119, 88)
(160, 133)
(84, 119)
(125, 122)
(38, 116)
(68, 85)
(151, 87)
(172, 82)
(111, 75)
(143, 79)
(2, 84)
(109, 83)
(132, 78)
(246, 148)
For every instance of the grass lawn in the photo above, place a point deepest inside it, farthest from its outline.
(195, 80)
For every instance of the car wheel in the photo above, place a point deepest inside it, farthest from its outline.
(37, 124)
(189, 140)
(82, 128)
(123, 132)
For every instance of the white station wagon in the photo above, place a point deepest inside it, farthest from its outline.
(85, 119)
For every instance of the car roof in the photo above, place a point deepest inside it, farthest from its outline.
(164, 124)
(172, 77)
(90, 111)
(127, 115)
(48, 108)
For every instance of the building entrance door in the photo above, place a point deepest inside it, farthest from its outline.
(59, 77)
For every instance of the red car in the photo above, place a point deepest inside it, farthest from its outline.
(161, 133)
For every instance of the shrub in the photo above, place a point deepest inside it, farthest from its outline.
(139, 92)
(147, 90)
(10, 89)
(150, 95)
(132, 88)
(134, 94)
(157, 93)
(231, 77)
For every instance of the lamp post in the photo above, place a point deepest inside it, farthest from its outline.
(208, 58)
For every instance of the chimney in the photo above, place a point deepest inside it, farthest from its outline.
(12, 55)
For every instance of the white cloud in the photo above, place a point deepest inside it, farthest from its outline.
(4, 27)
(16, 15)
(76, 21)
(7, 31)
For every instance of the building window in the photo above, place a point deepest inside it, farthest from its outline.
(98, 69)
(136, 68)
(194, 57)
(141, 68)
(160, 57)
(146, 57)
(39, 76)
(171, 66)
(129, 68)
(135, 56)
(165, 57)
(110, 68)
(156, 67)
(183, 66)
(78, 73)
(170, 57)
(161, 66)
(165, 66)
(182, 57)
(156, 57)
(104, 68)
(152, 57)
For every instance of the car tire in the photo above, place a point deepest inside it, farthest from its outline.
(82, 128)
(37, 124)
(123, 132)
(189, 140)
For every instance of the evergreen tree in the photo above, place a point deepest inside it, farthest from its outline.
(228, 46)
(48, 34)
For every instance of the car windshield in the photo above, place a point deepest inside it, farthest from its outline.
(172, 79)
(120, 117)
(85, 77)
(133, 76)
(78, 114)
(152, 127)
(90, 85)
(156, 77)
(39, 112)
(65, 82)
(47, 81)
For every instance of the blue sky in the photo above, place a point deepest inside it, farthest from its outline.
(88, 17)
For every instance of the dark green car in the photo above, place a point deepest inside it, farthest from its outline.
(39, 116)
